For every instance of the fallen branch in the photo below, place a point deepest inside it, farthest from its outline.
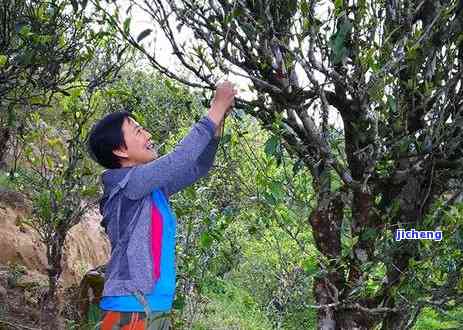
(16, 326)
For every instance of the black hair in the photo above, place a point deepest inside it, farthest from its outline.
(105, 136)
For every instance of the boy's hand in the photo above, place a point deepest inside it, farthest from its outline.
(224, 99)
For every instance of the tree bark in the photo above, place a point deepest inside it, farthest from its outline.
(4, 138)
(49, 305)
(326, 222)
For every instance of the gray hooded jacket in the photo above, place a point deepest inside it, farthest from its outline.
(126, 206)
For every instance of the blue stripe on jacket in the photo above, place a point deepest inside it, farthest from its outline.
(162, 296)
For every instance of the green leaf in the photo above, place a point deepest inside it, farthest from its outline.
(205, 241)
(310, 265)
(368, 234)
(90, 191)
(144, 34)
(337, 43)
(271, 146)
(276, 190)
(25, 31)
(126, 25)
(392, 104)
(269, 198)
(338, 5)
(237, 12)
(304, 8)
(3, 60)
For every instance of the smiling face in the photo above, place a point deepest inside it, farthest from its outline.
(139, 147)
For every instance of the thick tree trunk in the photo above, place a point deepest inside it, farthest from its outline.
(326, 223)
(329, 288)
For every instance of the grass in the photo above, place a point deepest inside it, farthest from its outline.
(429, 319)
(232, 309)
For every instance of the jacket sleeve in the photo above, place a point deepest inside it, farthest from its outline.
(171, 170)
(198, 170)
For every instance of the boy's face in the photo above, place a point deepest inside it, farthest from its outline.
(140, 149)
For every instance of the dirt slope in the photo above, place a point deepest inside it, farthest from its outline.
(86, 245)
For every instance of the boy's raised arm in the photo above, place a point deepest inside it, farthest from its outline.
(201, 167)
(169, 171)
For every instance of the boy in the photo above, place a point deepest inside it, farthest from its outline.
(140, 276)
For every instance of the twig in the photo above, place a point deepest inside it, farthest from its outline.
(338, 305)
(15, 325)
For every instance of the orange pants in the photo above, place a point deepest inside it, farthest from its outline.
(134, 321)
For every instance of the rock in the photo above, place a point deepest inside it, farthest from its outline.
(20, 248)
(15, 200)
(85, 248)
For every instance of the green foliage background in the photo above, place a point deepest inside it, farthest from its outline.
(246, 257)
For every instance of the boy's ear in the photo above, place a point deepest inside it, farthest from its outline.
(121, 152)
